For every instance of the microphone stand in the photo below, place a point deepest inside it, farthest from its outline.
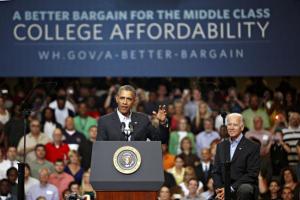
(25, 113)
(227, 188)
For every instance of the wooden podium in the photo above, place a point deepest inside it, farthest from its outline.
(111, 184)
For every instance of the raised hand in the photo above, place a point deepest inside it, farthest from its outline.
(161, 114)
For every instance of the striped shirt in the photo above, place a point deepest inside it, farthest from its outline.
(291, 137)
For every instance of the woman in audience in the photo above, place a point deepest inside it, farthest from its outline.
(202, 114)
(74, 168)
(177, 136)
(189, 173)
(178, 170)
(48, 122)
(164, 193)
(179, 114)
(289, 179)
(274, 191)
(188, 155)
(86, 187)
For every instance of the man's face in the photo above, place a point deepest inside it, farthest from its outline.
(69, 123)
(234, 126)
(59, 167)
(57, 135)
(35, 127)
(258, 123)
(205, 155)
(93, 132)
(193, 186)
(44, 176)
(287, 194)
(12, 153)
(40, 152)
(4, 188)
(82, 109)
(208, 126)
(254, 102)
(12, 176)
(125, 100)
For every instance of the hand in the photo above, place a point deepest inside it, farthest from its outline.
(220, 193)
(161, 114)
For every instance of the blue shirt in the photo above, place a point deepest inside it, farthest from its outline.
(234, 144)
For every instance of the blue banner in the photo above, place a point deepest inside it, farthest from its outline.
(149, 38)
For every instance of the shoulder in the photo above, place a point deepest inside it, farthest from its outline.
(141, 115)
(107, 116)
(249, 143)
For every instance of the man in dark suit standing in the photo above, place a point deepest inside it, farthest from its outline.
(123, 124)
(204, 169)
(243, 158)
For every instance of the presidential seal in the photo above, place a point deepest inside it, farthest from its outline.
(127, 159)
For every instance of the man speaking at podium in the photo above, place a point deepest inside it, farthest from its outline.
(125, 125)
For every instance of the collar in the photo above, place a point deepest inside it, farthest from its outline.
(123, 117)
(237, 140)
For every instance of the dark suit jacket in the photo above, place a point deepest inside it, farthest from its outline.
(201, 175)
(109, 128)
(244, 166)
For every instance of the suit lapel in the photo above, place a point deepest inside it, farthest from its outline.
(135, 123)
(238, 149)
(117, 125)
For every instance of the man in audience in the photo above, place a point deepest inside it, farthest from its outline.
(287, 194)
(59, 178)
(40, 161)
(82, 121)
(12, 176)
(28, 179)
(191, 107)
(291, 135)
(72, 137)
(57, 149)
(204, 138)
(43, 188)
(5, 190)
(255, 110)
(85, 149)
(203, 170)
(32, 139)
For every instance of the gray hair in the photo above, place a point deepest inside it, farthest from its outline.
(127, 88)
(236, 115)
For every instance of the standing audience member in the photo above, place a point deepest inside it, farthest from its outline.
(191, 107)
(291, 135)
(5, 190)
(192, 190)
(12, 176)
(28, 179)
(72, 137)
(189, 173)
(59, 178)
(4, 114)
(287, 194)
(204, 138)
(57, 149)
(202, 114)
(40, 161)
(297, 168)
(189, 158)
(204, 169)
(289, 179)
(74, 168)
(32, 139)
(48, 122)
(44, 188)
(164, 193)
(177, 136)
(82, 121)
(209, 193)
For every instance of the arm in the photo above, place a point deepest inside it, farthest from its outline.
(217, 170)
(101, 131)
(253, 166)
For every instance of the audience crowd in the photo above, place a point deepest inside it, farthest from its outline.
(61, 126)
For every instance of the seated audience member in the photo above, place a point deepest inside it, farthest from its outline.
(178, 170)
(29, 181)
(5, 190)
(82, 121)
(289, 179)
(12, 176)
(164, 193)
(177, 136)
(48, 122)
(168, 159)
(11, 157)
(204, 169)
(193, 186)
(204, 138)
(85, 149)
(74, 188)
(44, 188)
(86, 187)
(189, 158)
(169, 180)
(189, 173)
(209, 193)
(72, 137)
(57, 149)
(32, 139)
(40, 161)
(59, 178)
(73, 168)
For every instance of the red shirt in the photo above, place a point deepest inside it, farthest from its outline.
(53, 153)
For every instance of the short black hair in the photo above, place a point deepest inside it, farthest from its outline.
(39, 145)
(10, 170)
